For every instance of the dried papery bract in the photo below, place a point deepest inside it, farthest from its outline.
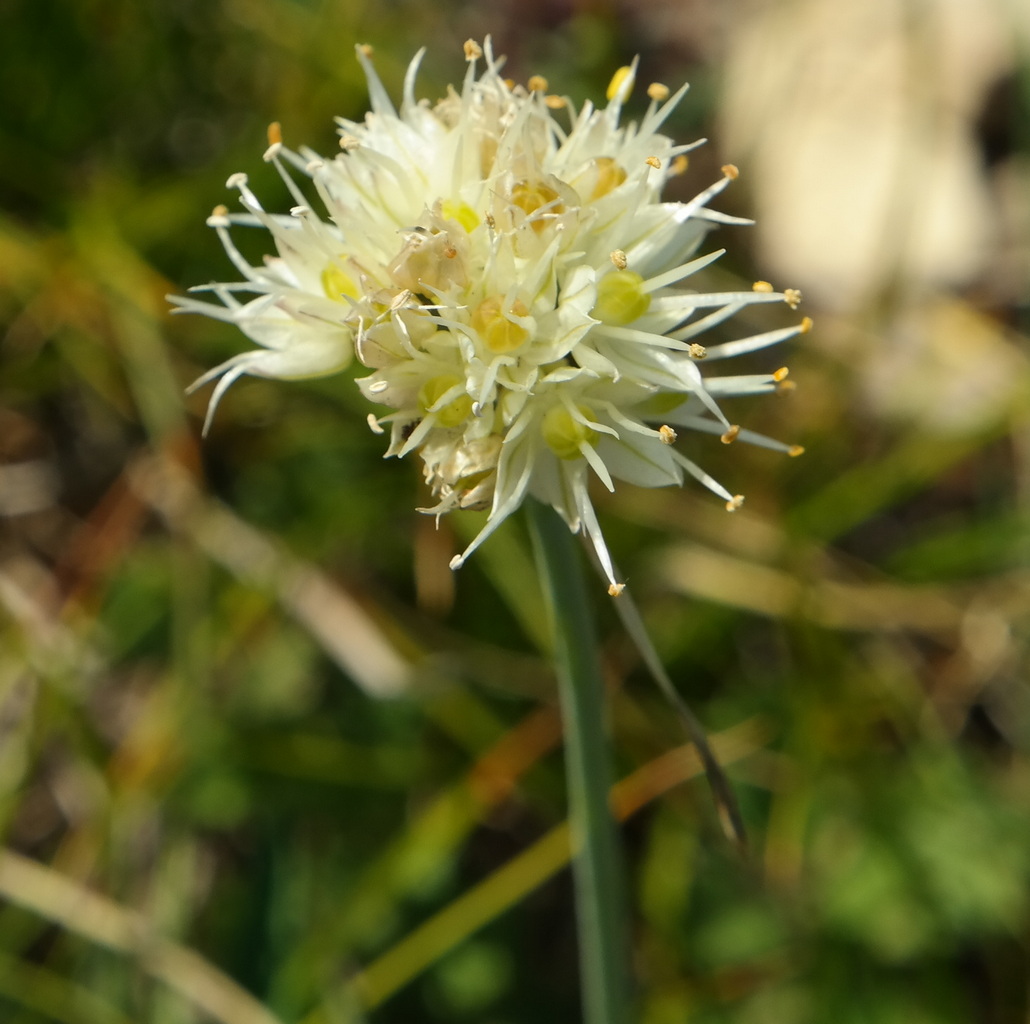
(504, 266)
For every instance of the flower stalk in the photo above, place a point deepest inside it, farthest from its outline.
(600, 900)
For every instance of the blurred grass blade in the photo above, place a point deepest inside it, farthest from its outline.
(67, 903)
(344, 629)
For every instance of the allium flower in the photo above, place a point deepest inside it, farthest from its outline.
(515, 288)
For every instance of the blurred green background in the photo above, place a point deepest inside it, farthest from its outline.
(254, 736)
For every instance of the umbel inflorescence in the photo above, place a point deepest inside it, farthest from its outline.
(515, 288)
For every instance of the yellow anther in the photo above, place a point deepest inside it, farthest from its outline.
(621, 83)
(537, 83)
(653, 161)
(780, 374)
(275, 133)
(454, 412)
(610, 175)
(564, 433)
(349, 142)
(679, 164)
(220, 211)
(509, 82)
(618, 257)
(762, 286)
(531, 196)
(731, 435)
(795, 451)
(473, 51)
(460, 212)
(792, 297)
(366, 49)
(730, 171)
(614, 589)
(554, 102)
(498, 332)
(697, 351)
(666, 434)
(783, 386)
(806, 325)
(735, 502)
(657, 91)
(621, 298)
(336, 283)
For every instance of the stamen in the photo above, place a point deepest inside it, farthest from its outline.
(219, 217)
(272, 152)
(697, 351)
(618, 257)
(537, 83)
(614, 589)
(554, 102)
(762, 286)
(780, 374)
(795, 450)
(792, 297)
(473, 51)
(730, 171)
(658, 92)
(653, 161)
(806, 325)
(275, 134)
(679, 165)
(735, 502)
(666, 434)
(731, 435)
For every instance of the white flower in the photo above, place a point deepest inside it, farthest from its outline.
(514, 287)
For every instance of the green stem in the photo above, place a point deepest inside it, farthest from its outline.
(600, 914)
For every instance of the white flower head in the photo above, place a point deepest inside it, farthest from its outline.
(515, 287)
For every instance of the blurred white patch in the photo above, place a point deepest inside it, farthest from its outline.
(946, 366)
(856, 125)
